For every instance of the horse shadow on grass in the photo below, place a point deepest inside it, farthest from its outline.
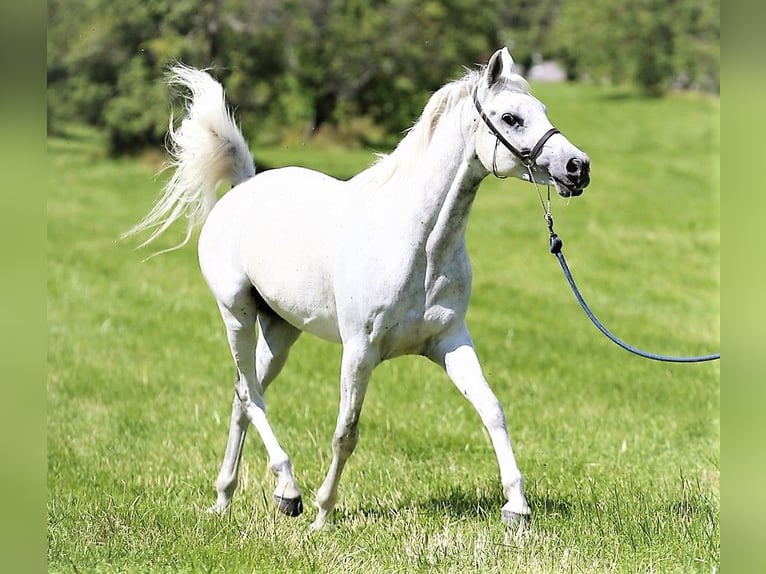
(459, 502)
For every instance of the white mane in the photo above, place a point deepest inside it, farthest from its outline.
(409, 153)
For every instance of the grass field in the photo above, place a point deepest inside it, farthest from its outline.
(620, 454)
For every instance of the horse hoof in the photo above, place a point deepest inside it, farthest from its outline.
(513, 519)
(289, 506)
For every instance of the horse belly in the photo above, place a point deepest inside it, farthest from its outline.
(287, 246)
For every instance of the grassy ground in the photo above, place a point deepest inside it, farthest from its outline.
(621, 455)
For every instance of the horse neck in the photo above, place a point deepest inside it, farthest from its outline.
(446, 185)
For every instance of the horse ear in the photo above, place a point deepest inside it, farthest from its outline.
(500, 65)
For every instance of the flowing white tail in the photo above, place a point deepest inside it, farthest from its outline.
(205, 150)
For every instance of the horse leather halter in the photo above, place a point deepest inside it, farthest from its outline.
(527, 156)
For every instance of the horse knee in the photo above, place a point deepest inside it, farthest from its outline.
(344, 441)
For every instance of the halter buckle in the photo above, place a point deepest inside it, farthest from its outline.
(526, 158)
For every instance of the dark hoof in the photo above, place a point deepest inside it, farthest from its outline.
(514, 519)
(289, 506)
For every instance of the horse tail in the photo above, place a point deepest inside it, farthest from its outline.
(206, 149)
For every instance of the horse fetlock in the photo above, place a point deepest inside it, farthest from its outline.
(517, 502)
(516, 511)
(326, 498)
(225, 485)
(280, 466)
(283, 471)
(324, 519)
(222, 503)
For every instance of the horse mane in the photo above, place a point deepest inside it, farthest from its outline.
(410, 150)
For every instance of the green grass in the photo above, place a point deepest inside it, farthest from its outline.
(621, 455)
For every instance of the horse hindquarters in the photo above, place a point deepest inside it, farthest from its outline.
(287, 244)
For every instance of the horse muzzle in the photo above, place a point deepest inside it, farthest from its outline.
(576, 179)
(568, 189)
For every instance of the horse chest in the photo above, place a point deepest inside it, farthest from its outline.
(423, 310)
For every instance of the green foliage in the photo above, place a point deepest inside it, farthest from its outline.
(654, 43)
(317, 63)
(621, 455)
(131, 123)
(526, 28)
(654, 47)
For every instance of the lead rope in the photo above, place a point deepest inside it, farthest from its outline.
(556, 244)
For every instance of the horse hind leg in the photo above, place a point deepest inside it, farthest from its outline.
(226, 482)
(275, 338)
(257, 365)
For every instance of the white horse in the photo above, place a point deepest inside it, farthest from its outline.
(377, 263)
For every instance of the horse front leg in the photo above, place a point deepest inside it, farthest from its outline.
(357, 365)
(457, 356)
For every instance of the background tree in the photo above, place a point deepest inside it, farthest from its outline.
(314, 63)
(656, 44)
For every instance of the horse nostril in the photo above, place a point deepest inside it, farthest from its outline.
(578, 171)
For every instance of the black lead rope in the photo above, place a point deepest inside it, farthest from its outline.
(555, 247)
(528, 158)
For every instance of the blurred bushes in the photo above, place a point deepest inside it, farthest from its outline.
(314, 64)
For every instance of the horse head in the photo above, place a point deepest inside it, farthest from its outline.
(517, 138)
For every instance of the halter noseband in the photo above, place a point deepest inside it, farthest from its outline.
(527, 156)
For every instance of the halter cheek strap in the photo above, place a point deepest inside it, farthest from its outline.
(527, 156)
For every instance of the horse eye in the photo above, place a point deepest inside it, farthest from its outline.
(513, 121)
